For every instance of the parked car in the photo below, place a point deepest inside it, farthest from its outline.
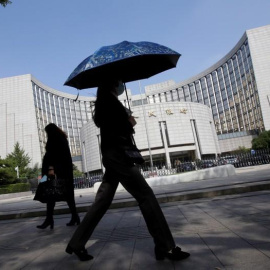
(208, 164)
(221, 161)
(230, 159)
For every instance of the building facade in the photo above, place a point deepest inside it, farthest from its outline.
(236, 90)
(27, 106)
(165, 132)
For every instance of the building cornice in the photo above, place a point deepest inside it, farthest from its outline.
(60, 93)
(203, 73)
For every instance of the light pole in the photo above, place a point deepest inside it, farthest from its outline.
(6, 125)
(146, 128)
(17, 170)
(100, 155)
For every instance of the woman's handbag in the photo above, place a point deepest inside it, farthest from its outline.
(133, 153)
(51, 190)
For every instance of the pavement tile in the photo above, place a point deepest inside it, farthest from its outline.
(114, 255)
(264, 248)
(201, 257)
(130, 219)
(248, 266)
(143, 257)
(233, 251)
(221, 233)
(252, 233)
(70, 262)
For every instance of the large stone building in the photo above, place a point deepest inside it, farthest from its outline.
(165, 133)
(236, 90)
(27, 106)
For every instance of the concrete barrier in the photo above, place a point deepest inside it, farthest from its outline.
(220, 171)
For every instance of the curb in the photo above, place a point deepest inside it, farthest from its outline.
(172, 197)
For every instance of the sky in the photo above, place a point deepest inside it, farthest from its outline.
(48, 39)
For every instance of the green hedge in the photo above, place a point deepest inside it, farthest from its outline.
(13, 188)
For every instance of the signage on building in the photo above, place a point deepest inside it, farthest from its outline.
(183, 110)
(167, 111)
(151, 114)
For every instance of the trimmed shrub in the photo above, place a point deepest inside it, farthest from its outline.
(13, 188)
(4, 190)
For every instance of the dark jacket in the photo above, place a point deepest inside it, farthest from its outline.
(115, 128)
(58, 155)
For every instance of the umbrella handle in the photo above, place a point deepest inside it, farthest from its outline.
(76, 97)
(127, 95)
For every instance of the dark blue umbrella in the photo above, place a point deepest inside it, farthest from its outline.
(126, 61)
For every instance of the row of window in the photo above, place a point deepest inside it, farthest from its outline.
(230, 89)
(230, 92)
(65, 113)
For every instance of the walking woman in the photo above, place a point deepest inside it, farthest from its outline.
(57, 162)
(116, 129)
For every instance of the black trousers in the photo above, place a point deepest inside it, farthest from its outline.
(118, 169)
(71, 205)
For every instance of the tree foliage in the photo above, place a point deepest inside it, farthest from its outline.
(32, 173)
(7, 172)
(5, 2)
(262, 141)
(241, 150)
(19, 159)
(76, 172)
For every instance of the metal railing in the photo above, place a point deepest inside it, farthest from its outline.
(257, 157)
(87, 182)
(237, 160)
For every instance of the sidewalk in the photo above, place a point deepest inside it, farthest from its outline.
(224, 232)
(247, 179)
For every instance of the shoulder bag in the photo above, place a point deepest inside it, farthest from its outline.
(133, 153)
(54, 189)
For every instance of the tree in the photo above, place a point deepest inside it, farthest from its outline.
(7, 173)
(241, 150)
(19, 159)
(76, 172)
(5, 2)
(33, 173)
(262, 141)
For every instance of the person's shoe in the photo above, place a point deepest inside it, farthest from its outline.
(81, 254)
(176, 254)
(74, 220)
(46, 223)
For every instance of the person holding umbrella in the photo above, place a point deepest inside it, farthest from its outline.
(116, 130)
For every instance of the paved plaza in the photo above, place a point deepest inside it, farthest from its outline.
(220, 231)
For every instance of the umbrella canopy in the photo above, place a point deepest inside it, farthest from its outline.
(126, 61)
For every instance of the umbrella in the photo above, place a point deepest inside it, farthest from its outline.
(126, 61)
